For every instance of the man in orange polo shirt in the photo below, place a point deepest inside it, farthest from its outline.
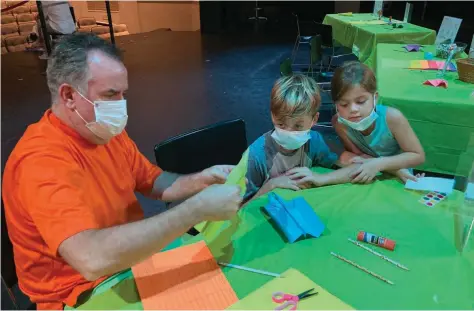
(68, 186)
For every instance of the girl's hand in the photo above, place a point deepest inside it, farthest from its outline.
(405, 175)
(366, 172)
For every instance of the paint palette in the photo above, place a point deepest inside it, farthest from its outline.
(432, 198)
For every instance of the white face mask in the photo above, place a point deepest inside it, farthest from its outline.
(363, 124)
(110, 117)
(290, 140)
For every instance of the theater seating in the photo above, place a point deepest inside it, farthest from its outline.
(4, 48)
(16, 43)
(20, 21)
(26, 28)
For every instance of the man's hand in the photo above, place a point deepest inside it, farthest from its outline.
(218, 202)
(367, 171)
(216, 174)
(305, 178)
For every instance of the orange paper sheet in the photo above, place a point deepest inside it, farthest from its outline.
(185, 278)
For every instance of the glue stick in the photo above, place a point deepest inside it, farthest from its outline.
(376, 240)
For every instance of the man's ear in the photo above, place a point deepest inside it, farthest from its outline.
(315, 119)
(66, 94)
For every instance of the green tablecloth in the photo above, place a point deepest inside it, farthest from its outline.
(440, 277)
(442, 118)
(363, 38)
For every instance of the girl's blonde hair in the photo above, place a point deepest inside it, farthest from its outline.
(352, 74)
(294, 96)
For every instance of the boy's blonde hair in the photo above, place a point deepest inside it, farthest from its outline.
(294, 96)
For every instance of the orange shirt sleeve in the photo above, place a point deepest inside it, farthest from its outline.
(144, 171)
(51, 186)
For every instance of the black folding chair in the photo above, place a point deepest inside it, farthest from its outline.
(220, 143)
(16, 299)
(334, 50)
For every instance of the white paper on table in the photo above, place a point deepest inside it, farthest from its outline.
(469, 191)
(378, 5)
(408, 10)
(431, 184)
(448, 29)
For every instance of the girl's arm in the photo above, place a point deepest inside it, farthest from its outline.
(413, 153)
(352, 152)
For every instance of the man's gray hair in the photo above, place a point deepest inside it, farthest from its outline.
(68, 61)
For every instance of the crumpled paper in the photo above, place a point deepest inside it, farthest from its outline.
(412, 47)
(437, 83)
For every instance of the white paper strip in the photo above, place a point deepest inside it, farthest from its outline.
(431, 184)
(469, 191)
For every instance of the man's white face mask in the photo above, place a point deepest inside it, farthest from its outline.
(110, 117)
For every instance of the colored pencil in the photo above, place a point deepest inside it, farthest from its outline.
(363, 269)
(249, 269)
(379, 255)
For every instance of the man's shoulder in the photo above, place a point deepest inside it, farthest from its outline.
(40, 140)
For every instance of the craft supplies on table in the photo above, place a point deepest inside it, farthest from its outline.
(442, 185)
(291, 281)
(249, 269)
(376, 240)
(295, 218)
(289, 300)
(185, 278)
(432, 198)
(431, 65)
(379, 255)
(363, 269)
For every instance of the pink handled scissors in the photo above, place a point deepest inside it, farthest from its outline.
(291, 301)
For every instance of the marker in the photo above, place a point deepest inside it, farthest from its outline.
(249, 269)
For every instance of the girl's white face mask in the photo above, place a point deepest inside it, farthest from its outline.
(363, 124)
(290, 140)
(110, 117)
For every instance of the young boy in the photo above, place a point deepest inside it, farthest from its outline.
(281, 158)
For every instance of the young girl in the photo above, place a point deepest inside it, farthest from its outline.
(378, 137)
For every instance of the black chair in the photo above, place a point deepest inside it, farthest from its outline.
(304, 31)
(17, 299)
(221, 143)
(333, 49)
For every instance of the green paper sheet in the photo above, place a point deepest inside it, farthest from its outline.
(292, 282)
(236, 177)
(217, 234)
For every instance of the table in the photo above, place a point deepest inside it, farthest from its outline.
(440, 277)
(442, 118)
(351, 32)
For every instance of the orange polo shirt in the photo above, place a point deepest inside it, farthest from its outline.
(55, 185)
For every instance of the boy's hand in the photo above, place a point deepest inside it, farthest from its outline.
(304, 177)
(284, 182)
(366, 172)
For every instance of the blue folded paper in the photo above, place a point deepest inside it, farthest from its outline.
(295, 218)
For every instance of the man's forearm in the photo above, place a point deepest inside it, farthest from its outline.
(114, 249)
(174, 187)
